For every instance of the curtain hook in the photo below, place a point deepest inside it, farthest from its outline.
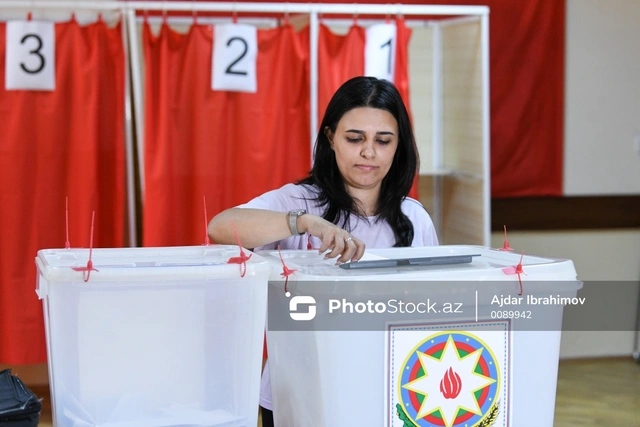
(286, 13)
(73, 15)
(194, 13)
(400, 15)
(164, 11)
(355, 14)
(234, 13)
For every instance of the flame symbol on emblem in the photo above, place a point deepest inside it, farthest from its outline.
(450, 385)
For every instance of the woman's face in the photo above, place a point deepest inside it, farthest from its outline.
(365, 142)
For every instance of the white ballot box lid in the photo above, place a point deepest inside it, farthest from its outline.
(475, 263)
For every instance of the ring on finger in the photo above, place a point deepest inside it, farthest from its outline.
(348, 239)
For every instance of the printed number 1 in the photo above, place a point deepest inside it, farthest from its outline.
(388, 43)
(35, 51)
(246, 47)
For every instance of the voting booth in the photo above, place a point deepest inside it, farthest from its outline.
(434, 336)
(155, 336)
(299, 59)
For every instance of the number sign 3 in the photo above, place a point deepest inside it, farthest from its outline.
(380, 51)
(30, 60)
(235, 52)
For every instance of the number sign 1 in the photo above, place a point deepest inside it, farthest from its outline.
(235, 52)
(30, 60)
(380, 51)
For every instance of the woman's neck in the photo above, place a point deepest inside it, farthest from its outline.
(366, 199)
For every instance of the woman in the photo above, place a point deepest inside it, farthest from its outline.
(355, 196)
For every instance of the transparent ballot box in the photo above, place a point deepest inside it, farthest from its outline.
(155, 337)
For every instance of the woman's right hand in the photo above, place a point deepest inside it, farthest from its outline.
(340, 242)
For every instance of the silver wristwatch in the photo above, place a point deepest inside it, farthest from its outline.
(293, 216)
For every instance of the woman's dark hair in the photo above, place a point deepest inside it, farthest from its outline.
(355, 93)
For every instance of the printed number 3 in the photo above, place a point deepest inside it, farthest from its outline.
(35, 51)
(229, 69)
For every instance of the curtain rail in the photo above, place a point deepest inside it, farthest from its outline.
(198, 6)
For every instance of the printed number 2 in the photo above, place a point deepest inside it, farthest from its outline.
(229, 69)
(35, 51)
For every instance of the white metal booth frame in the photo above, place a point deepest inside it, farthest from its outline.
(438, 168)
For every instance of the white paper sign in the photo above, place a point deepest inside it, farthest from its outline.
(235, 52)
(30, 60)
(380, 51)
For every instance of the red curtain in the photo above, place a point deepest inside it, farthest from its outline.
(68, 142)
(526, 72)
(401, 77)
(527, 42)
(341, 57)
(226, 146)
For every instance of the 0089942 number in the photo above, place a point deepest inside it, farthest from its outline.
(511, 314)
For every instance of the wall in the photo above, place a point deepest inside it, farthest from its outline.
(597, 256)
(602, 109)
(602, 156)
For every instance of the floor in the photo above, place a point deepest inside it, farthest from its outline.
(598, 393)
(601, 392)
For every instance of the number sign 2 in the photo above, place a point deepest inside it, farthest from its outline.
(30, 57)
(380, 51)
(235, 53)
